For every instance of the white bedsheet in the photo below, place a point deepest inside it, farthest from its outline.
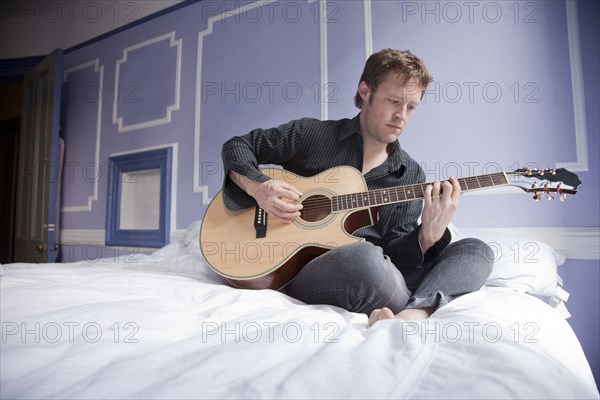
(162, 326)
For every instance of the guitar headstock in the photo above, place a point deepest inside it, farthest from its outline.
(545, 181)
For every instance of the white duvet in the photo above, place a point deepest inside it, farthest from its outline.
(163, 326)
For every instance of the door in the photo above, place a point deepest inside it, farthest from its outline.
(38, 168)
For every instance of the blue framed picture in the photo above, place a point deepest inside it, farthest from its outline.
(139, 199)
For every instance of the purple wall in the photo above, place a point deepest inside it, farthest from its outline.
(192, 78)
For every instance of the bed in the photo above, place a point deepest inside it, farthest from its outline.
(164, 326)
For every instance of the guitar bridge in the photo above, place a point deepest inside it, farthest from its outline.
(260, 222)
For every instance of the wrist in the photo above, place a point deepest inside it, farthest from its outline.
(247, 184)
(424, 242)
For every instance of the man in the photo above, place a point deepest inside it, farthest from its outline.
(403, 267)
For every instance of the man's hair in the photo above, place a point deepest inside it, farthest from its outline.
(403, 63)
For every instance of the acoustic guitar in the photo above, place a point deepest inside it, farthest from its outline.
(249, 251)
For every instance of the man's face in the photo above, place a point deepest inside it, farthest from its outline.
(387, 110)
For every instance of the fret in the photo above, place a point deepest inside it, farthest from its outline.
(365, 197)
(385, 197)
(500, 179)
(418, 191)
(354, 197)
(486, 181)
(394, 195)
(372, 200)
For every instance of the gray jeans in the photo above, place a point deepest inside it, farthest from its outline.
(360, 278)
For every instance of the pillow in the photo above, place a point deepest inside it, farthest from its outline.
(522, 264)
(192, 234)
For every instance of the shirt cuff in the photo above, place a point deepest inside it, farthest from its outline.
(437, 247)
(235, 198)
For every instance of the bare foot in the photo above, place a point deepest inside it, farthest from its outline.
(412, 314)
(380, 313)
(408, 314)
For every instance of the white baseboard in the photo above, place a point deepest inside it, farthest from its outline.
(97, 236)
(575, 243)
(83, 236)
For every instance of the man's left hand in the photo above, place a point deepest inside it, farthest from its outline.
(441, 202)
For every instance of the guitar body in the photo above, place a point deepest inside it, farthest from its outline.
(230, 246)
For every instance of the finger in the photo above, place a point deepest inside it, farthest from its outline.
(427, 194)
(284, 190)
(457, 190)
(437, 189)
(446, 190)
(286, 207)
(289, 194)
(293, 189)
(282, 216)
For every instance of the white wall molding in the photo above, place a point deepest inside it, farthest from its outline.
(198, 188)
(368, 28)
(173, 107)
(83, 237)
(581, 145)
(324, 64)
(203, 189)
(98, 69)
(576, 243)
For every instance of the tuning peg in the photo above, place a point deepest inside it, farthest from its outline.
(549, 197)
(537, 197)
(563, 197)
(553, 171)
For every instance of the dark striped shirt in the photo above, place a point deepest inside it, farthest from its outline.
(307, 147)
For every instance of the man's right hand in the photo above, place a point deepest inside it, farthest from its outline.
(277, 198)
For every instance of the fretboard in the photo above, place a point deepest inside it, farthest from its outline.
(398, 194)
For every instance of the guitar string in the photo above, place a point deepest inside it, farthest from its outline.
(322, 204)
(325, 204)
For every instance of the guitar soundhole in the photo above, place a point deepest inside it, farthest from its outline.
(315, 208)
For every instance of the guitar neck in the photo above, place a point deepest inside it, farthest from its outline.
(398, 194)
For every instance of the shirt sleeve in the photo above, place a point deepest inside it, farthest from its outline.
(244, 154)
(397, 231)
(400, 240)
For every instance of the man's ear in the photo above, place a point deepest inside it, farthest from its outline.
(364, 91)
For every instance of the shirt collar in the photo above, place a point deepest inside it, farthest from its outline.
(397, 156)
(352, 127)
